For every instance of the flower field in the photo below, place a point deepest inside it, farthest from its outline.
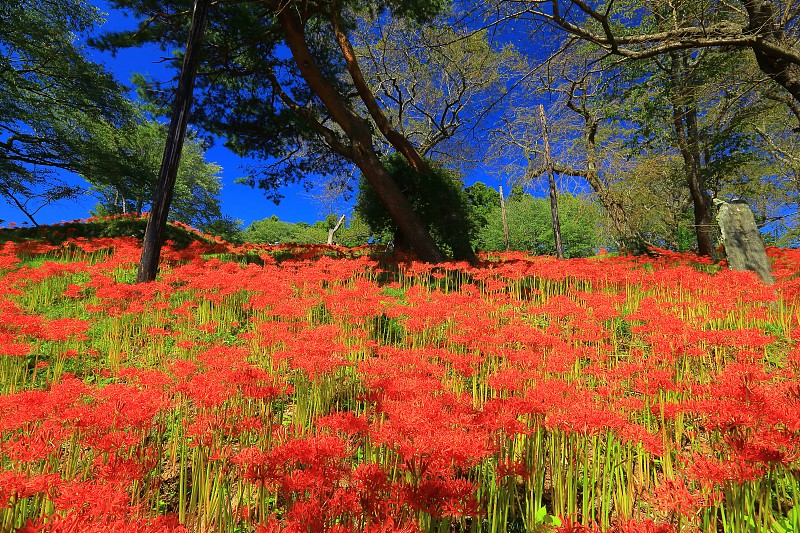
(344, 394)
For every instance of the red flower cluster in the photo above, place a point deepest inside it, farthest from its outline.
(323, 393)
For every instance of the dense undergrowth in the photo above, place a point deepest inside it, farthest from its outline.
(315, 393)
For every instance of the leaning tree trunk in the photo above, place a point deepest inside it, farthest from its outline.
(631, 239)
(684, 121)
(413, 231)
(389, 132)
(157, 222)
(358, 131)
(783, 70)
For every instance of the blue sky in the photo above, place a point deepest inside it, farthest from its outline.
(239, 201)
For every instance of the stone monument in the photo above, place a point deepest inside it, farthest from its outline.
(742, 240)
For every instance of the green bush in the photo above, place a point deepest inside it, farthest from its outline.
(438, 199)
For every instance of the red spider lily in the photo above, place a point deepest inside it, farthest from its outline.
(15, 349)
(645, 526)
(444, 496)
(520, 351)
(96, 501)
(315, 351)
(507, 379)
(145, 378)
(16, 486)
(36, 444)
(503, 416)
(73, 291)
(432, 434)
(257, 467)
(390, 526)
(673, 496)
(345, 422)
(364, 299)
(712, 472)
(20, 409)
(182, 369)
(62, 329)
(511, 469)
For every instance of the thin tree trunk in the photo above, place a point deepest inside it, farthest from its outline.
(503, 214)
(157, 222)
(551, 179)
(358, 132)
(684, 121)
(631, 239)
(332, 231)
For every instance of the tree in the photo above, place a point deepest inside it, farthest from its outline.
(483, 200)
(168, 171)
(615, 116)
(436, 195)
(657, 200)
(530, 226)
(436, 82)
(709, 124)
(225, 227)
(272, 230)
(293, 112)
(126, 183)
(358, 233)
(51, 96)
(636, 31)
(275, 231)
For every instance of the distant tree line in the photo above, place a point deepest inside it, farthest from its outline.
(528, 221)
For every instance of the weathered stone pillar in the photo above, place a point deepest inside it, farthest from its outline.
(742, 240)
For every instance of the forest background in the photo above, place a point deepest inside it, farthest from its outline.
(644, 133)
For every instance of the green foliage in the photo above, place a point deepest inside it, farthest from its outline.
(250, 111)
(437, 197)
(658, 201)
(120, 226)
(357, 233)
(51, 96)
(125, 179)
(272, 230)
(225, 227)
(482, 201)
(530, 226)
(275, 231)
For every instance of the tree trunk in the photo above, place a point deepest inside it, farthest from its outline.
(631, 239)
(395, 138)
(333, 230)
(412, 229)
(551, 179)
(358, 132)
(782, 70)
(684, 121)
(157, 222)
(503, 215)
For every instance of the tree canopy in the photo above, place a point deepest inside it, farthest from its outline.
(126, 185)
(51, 97)
(654, 110)
(307, 112)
